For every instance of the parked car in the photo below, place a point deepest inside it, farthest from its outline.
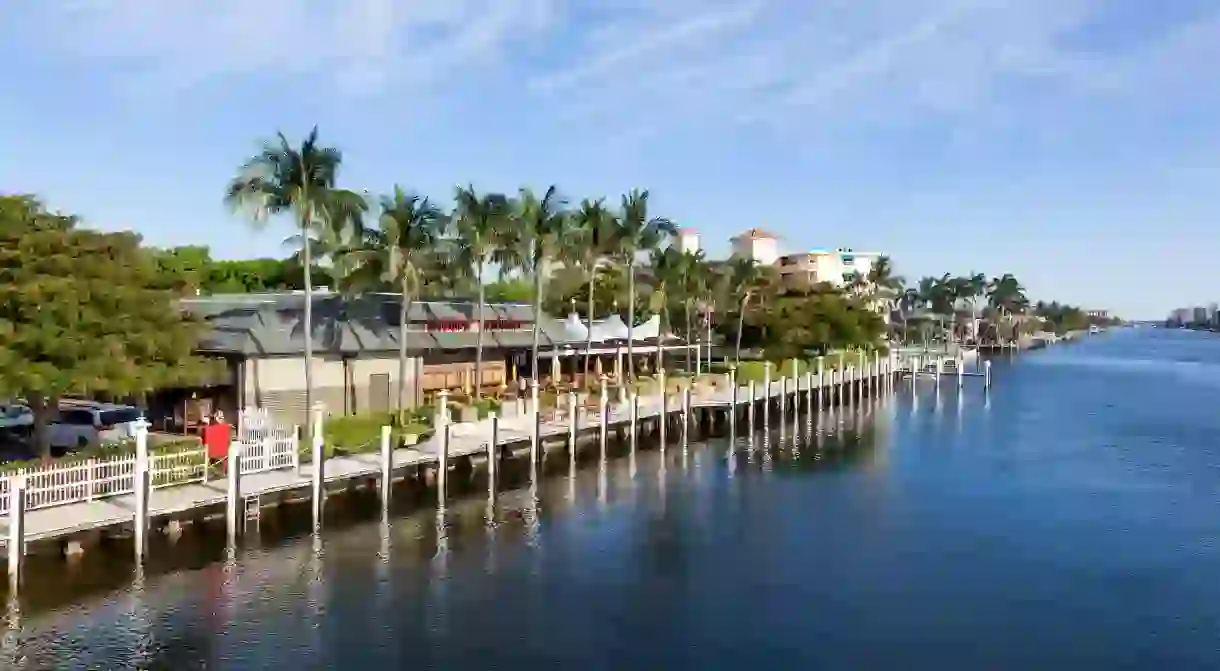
(15, 416)
(81, 424)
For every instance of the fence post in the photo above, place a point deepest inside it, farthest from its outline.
(16, 527)
(296, 447)
(91, 464)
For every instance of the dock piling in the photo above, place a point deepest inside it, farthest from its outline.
(750, 407)
(535, 424)
(442, 466)
(16, 530)
(732, 402)
(685, 414)
(233, 511)
(664, 419)
(986, 375)
(387, 467)
(635, 419)
(604, 415)
(493, 456)
(766, 396)
(572, 410)
(143, 488)
(319, 469)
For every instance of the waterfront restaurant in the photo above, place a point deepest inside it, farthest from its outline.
(356, 352)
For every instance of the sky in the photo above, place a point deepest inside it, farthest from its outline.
(1073, 143)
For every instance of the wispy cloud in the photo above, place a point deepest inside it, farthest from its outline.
(631, 64)
(365, 43)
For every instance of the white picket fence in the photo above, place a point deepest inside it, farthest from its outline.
(266, 446)
(59, 483)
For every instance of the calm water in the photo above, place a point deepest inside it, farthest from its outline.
(1068, 521)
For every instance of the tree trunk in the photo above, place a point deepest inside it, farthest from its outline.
(660, 340)
(404, 307)
(631, 319)
(741, 325)
(589, 330)
(478, 338)
(307, 324)
(689, 369)
(42, 417)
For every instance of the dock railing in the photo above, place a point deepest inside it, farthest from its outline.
(266, 446)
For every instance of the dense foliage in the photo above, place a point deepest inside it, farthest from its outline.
(85, 312)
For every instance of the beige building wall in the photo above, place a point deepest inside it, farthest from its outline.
(343, 386)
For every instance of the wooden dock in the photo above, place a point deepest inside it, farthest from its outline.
(73, 526)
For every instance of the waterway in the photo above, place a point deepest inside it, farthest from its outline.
(1067, 520)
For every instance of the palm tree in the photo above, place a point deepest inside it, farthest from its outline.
(695, 275)
(543, 222)
(745, 278)
(586, 246)
(481, 227)
(300, 181)
(1006, 295)
(637, 232)
(667, 279)
(400, 253)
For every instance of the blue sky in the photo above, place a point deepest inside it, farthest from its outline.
(1074, 143)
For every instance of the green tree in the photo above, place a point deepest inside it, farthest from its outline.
(666, 276)
(398, 253)
(510, 290)
(746, 278)
(481, 224)
(298, 181)
(585, 249)
(84, 312)
(542, 224)
(637, 233)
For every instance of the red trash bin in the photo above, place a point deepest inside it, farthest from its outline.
(216, 439)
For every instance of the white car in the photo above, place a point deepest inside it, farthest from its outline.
(80, 424)
(15, 416)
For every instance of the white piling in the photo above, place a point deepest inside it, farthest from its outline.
(535, 424)
(961, 369)
(387, 467)
(767, 396)
(16, 528)
(987, 375)
(783, 397)
(750, 407)
(572, 410)
(442, 467)
(319, 468)
(635, 419)
(685, 414)
(664, 419)
(603, 409)
(493, 456)
(732, 402)
(143, 489)
(233, 511)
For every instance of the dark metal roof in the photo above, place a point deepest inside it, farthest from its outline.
(271, 324)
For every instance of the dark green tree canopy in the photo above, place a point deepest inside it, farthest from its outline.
(83, 311)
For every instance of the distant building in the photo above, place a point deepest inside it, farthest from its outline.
(803, 270)
(1099, 314)
(688, 240)
(1199, 315)
(758, 245)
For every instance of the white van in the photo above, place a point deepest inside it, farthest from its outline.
(81, 424)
